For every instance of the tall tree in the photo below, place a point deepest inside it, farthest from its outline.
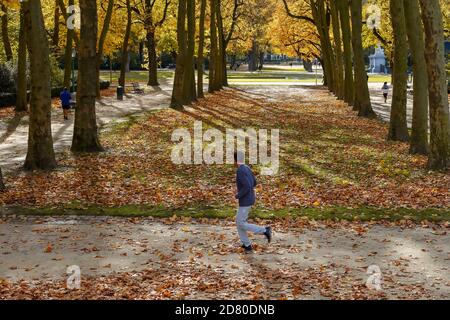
(5, 33)
(213, 52)
(362, 97)
(227, 36)
(64, 13)
(22, 95)
(189, 92)
(85, 135)
(201, 44)
(439, 157)
(339, 75)
(398, 129)
(323, 27)
(219, 77)
(415, 32)
(101, 42)
(177, 92)
(55, 35)
(349, 92)
(151, 25)
(126, 40)
(40, 154)
(68, 53)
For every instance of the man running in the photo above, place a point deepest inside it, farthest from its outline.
(65, 102)
(385, 90)
(246, 182)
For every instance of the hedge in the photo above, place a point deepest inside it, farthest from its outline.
(9, 99)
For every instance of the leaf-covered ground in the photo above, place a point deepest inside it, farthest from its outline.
(329, 157)
(183, 258)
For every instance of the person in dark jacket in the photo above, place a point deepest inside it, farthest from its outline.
(246, 183)
(65, 102)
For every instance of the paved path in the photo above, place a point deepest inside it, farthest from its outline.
(382, 109)
(14, 132)
(325, 260)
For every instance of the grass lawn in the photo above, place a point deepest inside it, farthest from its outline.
(290, 77)
(135, 76)
(285, 68)
(332, 164)
(267, 75)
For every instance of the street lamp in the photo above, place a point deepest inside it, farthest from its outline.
(74, 54)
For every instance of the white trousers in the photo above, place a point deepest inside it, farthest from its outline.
(243, 226)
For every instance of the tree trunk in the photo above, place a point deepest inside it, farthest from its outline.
(126, 39)
(349, 90)
(339, 62)
(201, 44)
(5, 35)
(398, 130)
(319, 16)
(328, 53)
(213, 52)
(2, 185)
(40, 154)
(189, 92)
(439, 157)
(55, 36)
(152, 59)
(22, 95)
(85, 135)
(414, 28)
(101, 43)
(221, 61)
(252, 62)
(362, 96)
(218, 76)
(308, 65)
(261, 60)
(177, 92)
(68, 55)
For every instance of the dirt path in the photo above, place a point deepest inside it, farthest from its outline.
(306, 260)
(291, 90)
(14, 132)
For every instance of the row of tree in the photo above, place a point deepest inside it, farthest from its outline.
(185, 89)
(40, 154)
(35, 46)
(417, 29)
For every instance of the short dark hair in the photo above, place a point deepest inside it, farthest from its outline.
(65, 88)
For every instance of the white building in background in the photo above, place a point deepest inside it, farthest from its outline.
(275, 57)
(378, 61)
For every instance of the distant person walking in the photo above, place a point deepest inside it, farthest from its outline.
(65, 102)
(246, 182)
(385, 90)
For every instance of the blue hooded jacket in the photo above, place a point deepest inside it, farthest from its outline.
(65, 98)
(246, 182)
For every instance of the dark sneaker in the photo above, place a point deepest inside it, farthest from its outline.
(268, 234)
(247, 249)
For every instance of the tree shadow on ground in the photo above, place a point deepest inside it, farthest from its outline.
(12, 125)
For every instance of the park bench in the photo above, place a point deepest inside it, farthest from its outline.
(137, 89)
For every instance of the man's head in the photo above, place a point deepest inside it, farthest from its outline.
(385, 83)
(65, 89)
